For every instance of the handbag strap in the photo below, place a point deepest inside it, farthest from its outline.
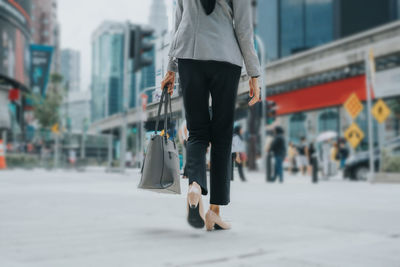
(166, 101)
(165, 113)
(159, 111)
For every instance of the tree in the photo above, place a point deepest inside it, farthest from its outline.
(46, 109)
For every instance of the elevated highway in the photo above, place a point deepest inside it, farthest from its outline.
(333, 61)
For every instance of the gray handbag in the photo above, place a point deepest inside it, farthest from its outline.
(160, 172)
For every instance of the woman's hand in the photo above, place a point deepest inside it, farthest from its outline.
(254, 91)
(238, 160)
(169, 81)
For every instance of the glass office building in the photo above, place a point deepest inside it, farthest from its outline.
(373, 13)
(107, 70)
(291, 26)
(108, 47)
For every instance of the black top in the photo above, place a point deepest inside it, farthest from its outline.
(302, 149)
(208, 6)
(343, 153)
(311, 151)
(278, 146)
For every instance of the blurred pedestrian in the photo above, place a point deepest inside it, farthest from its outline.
(334, 158)
(343, 154)
(325, 158)
(72, 157)
(208, 50)
(278, 147)
(311, 156)
(292, 154)
(238, 152)
(303, 156)
(183, 135)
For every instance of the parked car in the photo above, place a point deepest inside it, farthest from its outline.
(357, 166)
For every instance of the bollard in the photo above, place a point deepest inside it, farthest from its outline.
(314, 169)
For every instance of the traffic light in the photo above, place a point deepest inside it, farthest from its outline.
(139, 46)
(271, 112)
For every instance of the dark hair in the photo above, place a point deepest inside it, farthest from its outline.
(279, 130)
(236, 131)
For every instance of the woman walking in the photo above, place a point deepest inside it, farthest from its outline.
(238, 152)
(212, 39)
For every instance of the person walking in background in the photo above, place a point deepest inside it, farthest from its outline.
(343, 154)
(238, 152)
(211, 40)
(292, 154)
(183, 136)
(303, 156)
(325, 158)
(334, 152)
(311, 156)
(278, 147)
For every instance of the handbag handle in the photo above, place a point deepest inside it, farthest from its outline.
(166, 99)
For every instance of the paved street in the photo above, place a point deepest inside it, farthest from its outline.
(70, 219)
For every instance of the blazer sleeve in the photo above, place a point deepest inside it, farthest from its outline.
(173, 62)
(242, 15)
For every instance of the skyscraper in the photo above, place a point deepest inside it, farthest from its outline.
(158, 18)
(70, 69)
(45, 28)
(15, 17)
(291, 26)
(107, 70)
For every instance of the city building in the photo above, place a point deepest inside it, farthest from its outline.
(108, 78)
(46, 29)
(158, 19)
(291, 26)
(15, 23)
(75, 110)
(316, 51)
(70, 69)
(311, 87)
(107, 70)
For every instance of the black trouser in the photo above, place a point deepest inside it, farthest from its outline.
(241, 172)
(198, 80)
(240, 168)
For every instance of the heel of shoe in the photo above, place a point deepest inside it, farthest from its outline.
(195, 207)
(194, 196)
(214, 222)
(210, 223)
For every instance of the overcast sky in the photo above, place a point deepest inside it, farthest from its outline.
(78, 20)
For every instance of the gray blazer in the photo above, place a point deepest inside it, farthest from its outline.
(225, 35)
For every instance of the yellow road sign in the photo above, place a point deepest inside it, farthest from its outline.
(54, 129)
(380, 111)
(354, 135)
(353, 106)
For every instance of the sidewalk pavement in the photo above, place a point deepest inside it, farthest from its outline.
(70, 219)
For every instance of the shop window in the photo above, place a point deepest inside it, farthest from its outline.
(297, 127)
(328, 121)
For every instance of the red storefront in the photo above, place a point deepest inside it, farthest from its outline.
(326, 95)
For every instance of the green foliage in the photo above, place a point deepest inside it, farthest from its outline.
(21, 161)
(394, 105)
(46, 109)
(56, 78)
(390, 163)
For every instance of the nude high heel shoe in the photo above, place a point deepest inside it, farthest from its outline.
(213, 221)
(195, 206)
